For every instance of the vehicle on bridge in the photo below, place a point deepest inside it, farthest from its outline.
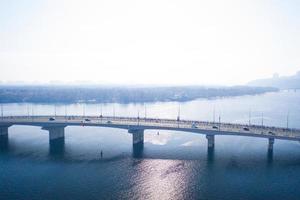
(51, 119)
(246, 129)
(215, 127)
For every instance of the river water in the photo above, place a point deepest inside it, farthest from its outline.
(172, 165)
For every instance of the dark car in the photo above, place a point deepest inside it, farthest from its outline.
(271, 133)
(215, 127)
(246, 129)
(87, 120)
(51, 119)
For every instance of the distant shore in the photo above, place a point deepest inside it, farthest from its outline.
(98, 94)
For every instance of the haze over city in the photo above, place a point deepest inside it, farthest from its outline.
(148, 42)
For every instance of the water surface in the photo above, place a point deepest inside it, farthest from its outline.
(172, 165)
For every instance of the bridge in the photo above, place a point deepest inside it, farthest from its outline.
(137, 126)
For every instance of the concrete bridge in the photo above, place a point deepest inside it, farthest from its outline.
(136, 126)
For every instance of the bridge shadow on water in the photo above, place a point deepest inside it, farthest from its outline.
(4, 143)
(138, 150)
(210, 155)
(270, 156)
(57, 147)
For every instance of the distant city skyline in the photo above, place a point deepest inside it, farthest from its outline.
(148, 42)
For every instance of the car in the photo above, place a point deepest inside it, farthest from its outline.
(87, 120)
(108, 122)
(246, 129)
(215, 127)
(51, 119)
(194, 125)
(271, 133)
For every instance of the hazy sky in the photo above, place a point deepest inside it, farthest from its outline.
(149, 42)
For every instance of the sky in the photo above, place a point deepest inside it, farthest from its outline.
(190, 42)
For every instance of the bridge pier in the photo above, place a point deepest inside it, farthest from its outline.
(4, 130)
(137, 137)
(210, 141)
(271, 144)
(55, 132)
(4, 137)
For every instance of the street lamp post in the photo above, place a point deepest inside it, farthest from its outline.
(219, 122)
(250, 117)
(138, 118)
(2, 112)
(178, 116)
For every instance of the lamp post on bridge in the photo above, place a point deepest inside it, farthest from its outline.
(262, 119)
(145, 112)
(65, 113)
(178, 116)
(32, 113)
(28, 113)
(219, 122)
(138, 118)
(214, 115)
(83, 111)
(55, 110)
(2, 112)
(114, 111)
(101, 113)
(250, 117)
(287, 120)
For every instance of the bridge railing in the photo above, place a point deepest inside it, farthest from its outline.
(206, 125)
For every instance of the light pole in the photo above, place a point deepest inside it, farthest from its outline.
(32, 112)
(65, 113)
(262, 119)
(145, 112)
(138, 118)
(178, 116)
(214, 115)
(28, 114)
(101, 114)
(219, 122)
(287, 120)
(2, 112)
(114, 112)
(250, 117)
(83, 111)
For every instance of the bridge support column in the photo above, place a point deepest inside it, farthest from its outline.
(137, 137)
(271, 144)
(55, 132)
(137, 142)
(4, 130)
(4, 137)
(210, 141)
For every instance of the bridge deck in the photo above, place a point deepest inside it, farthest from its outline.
(166, 124)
